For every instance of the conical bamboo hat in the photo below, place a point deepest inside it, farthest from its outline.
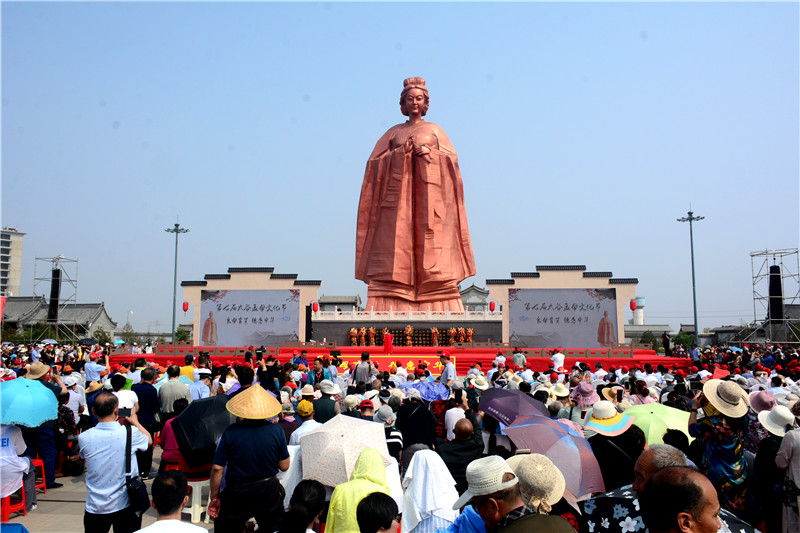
(254, 403)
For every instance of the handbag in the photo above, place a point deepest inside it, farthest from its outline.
(137, 490)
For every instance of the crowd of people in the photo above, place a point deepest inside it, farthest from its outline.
(448, 465)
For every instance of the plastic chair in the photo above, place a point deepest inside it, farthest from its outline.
(198, 477)
(38, 463)
(6, 507)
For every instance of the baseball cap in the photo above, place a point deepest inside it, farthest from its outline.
(485, 476)
(305, 408)
(366, 404)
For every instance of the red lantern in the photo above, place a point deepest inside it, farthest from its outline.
(492, 306)
(315, 306)
(185, 306)
(633, 305)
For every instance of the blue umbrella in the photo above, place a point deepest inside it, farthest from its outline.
(119, 341)
(183, 379)
(49, 341)
(26, 402)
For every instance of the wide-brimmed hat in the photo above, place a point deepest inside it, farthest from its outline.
(588, 393)
(727, 397)
(413, 393)
(604, 418)
(327, 386)
(610, 393)
(559, 390)
(762, 400)
(351, 402)
(370, 394)
(485, 476)
(307, 390)
(777, 421)
(254, 403)
(93, 387)
(480, 383)
(288, 408)
(541, 483)
(383, 415)
(37, 370)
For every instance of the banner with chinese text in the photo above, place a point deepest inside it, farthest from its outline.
(569, 318)
(248, 318)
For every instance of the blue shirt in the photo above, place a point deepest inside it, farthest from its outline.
(251, 450)
(199, 390)
(92, 371)
(448, 374)
(103, 447)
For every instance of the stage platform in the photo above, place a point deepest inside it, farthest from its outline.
(462, 357)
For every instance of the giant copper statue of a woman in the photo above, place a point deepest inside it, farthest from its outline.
(412, 242)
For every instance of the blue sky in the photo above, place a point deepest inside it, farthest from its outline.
(583, 131)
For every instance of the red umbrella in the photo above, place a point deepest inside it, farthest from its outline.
(571, 453)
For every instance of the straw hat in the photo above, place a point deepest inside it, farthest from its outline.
(604, 418)
(93, 387)
(728, 398)
(559, 390)
(254, 403)
(485, 476)
(351, 402)
(777, 421)
(762, 401)
(37, 370)
(327, 386)
(480, 383)
(610, 393)
(307, 390)
(541, 483)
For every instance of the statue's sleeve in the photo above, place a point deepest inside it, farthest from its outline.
(444, 142)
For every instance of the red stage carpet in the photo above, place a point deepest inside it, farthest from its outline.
(463, 358)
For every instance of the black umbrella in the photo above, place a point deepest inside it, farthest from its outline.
(506, 404)
(199, 427)
(87, 341)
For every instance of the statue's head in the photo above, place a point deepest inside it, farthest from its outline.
(413, 83)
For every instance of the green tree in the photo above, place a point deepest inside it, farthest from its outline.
(649, 338)
(128, 334)
(101, 336)
(181, 335)
(685, 339)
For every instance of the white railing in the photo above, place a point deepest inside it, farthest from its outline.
(406, 315)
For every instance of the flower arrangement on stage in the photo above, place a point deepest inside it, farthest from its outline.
(453, 336)
(362, 333)
(470, 333)
(371, 336)
(462, 335)
(409, 333)
(435, 336)
(353, 337)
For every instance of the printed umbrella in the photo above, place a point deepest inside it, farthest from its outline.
(655, 418)
(26, 402)
(570, 453)
(619, 511)
(505, 405)
(330, 452)
(199, 427)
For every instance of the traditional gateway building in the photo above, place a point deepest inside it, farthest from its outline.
(554, 306)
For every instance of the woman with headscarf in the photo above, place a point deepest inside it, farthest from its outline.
(430, 493)
(369, 475)
(722, 431)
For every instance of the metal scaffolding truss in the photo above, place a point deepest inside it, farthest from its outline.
(69, 288)
(773, 330)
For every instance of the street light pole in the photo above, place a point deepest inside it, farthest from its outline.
(177, 229)
(691, 218)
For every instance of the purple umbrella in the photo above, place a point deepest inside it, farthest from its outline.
(570, 453)
(506, 405)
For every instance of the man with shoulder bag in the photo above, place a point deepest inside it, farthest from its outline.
(109, 449)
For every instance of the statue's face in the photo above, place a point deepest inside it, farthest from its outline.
(415, 101)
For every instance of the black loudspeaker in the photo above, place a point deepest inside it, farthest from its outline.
(55, 294)
(775, 309)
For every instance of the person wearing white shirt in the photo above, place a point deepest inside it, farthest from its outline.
(527, 375)
(305, 410)
(557, 358)
(16, 471)
(599, 372)
(127, 398)
(170, 496)
(455, 414)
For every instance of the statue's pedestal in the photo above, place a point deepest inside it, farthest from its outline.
(334, 326)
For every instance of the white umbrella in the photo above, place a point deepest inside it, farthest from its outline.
(331, 451)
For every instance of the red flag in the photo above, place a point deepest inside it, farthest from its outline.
(2, 307)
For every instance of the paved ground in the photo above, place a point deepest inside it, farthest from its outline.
(61, 510)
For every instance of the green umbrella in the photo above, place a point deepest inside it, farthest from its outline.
(655, 419)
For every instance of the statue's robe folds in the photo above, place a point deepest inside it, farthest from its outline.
(412, 242)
